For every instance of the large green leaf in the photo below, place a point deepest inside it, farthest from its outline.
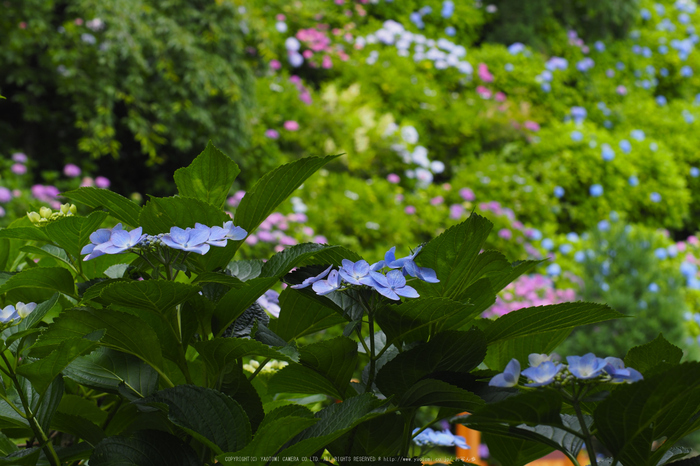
(325, 367)
(45, 406)
(431, 392)
(78, 426)
(220, 354)
(25, 233)
(206, 414)
(544, 319)
(418, 319)
(273, 188)
(282, 262)
(38, 313)
(162, 213)
(24, 457)
(500, 353)
(378, 437)
(540, 407)
(108, 369)
(40, 282)
(301, 315)
(42, 372)
(49, 250)
(658, 353)
(124, 332)
(72, 233)
(208, 178)
(236, 301)
(155, 295)
(664, 405)
(118, 206)
(514, 451)
(447, 352)
(145, 448)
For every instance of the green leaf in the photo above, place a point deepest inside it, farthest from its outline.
(540, 407)
(664, 404)
(162, 213)
(108, 369)
(271, 437)
(45, 406)
(245, 270)
(220, 278)
(208, 415)
(282, 262)
(72, 233)
(78, 426)
(418, 319)
(42, 372)
(236, 301)
(76, 405)
(658, 353)
(25, 457)
(37, 282)
(510, 451)
(500, 353)
(236, 385)
(220, 354)
(38, 313)
(543, 319)
(49, 250)
(327, 366)
(208, 178)
(118, 206)
(25, 233)
(7, 446)
(273, 188)
(379, 437)
(447, 352)
(431, 392)
(301, 315)
(155, 295)
(125, 332)
(145, 448)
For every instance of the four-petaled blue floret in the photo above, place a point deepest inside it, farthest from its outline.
(509, 377)
(543, 374)
(332, 283)
(190, 239)
(392, 285)
(354, 272)
(615, 367)
(312, 280)
(100, 239)
(586, 367)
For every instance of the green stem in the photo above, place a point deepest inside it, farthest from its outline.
(407, 433)
(372, 360)
(260, 367)
(29, 415)
(584, 429)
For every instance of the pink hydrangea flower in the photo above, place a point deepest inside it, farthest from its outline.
(622, 90)
(505, 233)
(275, 64)
(272, 134)
(410, 210)
(500, 97)
(467, 194)
(483, 92)
(437, 200)
(291, 125)
(484, 74)
(71, 170)
(102, 182)
(19, 157)
(87, 181)
(18, 169)
(393, 178)
(531, 125)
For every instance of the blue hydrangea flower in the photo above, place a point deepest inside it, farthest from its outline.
(121, 241)
(694, 172)
(637, 134)
(596, 190)
(543, 374)
(8, 314)
(645, 14)
(608, 124)
(515, 48)
(661, 253)
(565, 248)
(312, 280)
(572, 236)
(653, 287)
(99, 240)
(625, 146)
(633, 181)
(607, 153)
(508, 67)
(661, 100)
(578, 114)
(190, 239)
(615, 367)
(547, 244)
(408, 266)
(586, 367)
(576, 136)
(688, 269)
(686, 71)
(603, 225)
(219, 236)
(23, 310)
(332, 283)
(509, 377)
(448, 8)
(354, 272)
(392, 285)
(559, 192)
(580, 256)
(655, 197)
(553, 270)
(599, 46)
(663, 71)
(546, 87)
(450, 31)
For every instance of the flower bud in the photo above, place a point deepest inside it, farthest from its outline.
(73, 209)
(65, 209)
(34, 217)
(45, 212)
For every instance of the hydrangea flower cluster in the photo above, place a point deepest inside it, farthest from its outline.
(442, 438)
(198, 239)
(547, 370)
(14, 314)
(46, 215)
(528, 291)
(392, 284)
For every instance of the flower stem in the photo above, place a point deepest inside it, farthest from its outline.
(587, 438)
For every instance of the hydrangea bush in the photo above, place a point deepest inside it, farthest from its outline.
(130, 332)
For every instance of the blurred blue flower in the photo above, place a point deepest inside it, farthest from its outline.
(607, 153)
(694, 172)
(637, 134)
(661, 100)
(633, 181)
(653, 287)
(686, 71)
(683, 18)
(608, 124)
(543, 374)
(604, 286)
(508, 67)
(450, 31)
(615, 367)
(547, 244)
(653, 147)
(578, 114)
(580, 256)
(585, 64)
(604, 225)
(599, 46)
(663, 72)
(553, 270)
(620, 66)
(645, 14)
(426, 10)
(448, 9)
(559, 192)
(596, 190)
(672, 250)
(688, 269)
(655, 197)
(576, 136)
(515, 48)
(614, 216)
(586, 367)
(565, 248)
(509, 377)
(661, 253)
(572, 236)
(625, 146)
(546, 87)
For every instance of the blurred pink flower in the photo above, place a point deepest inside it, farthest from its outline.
(272, 134)
(393, 178)
(483, 92)
(320, 239)
(531, 125)
(275, 64)
(622, 90)
(410, 210)
(467, 194)
(327, 63)
(505, 233)
(87, 181)
(102, 182)
(252, 239)
(18, 169)
(484, 74)
(500, 97)
(437, 200)
(71, 170)
(291, 125)
(20, 157)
